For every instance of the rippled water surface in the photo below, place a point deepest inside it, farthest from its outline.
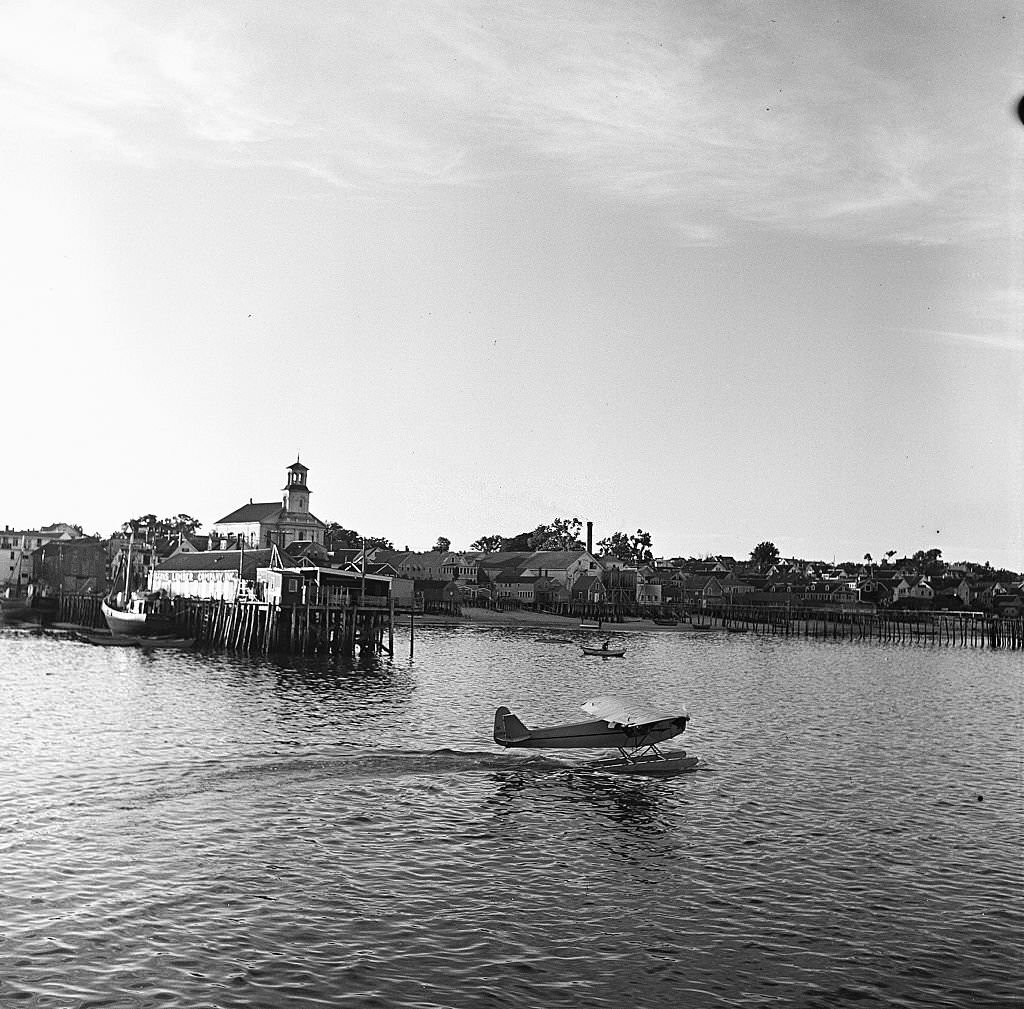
(189, 830)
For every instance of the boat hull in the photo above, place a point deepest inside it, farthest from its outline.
(135, 624)
(607, 653)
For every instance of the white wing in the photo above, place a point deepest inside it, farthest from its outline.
(617, 710)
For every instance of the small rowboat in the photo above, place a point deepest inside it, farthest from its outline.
(604, 651)
(134, 641)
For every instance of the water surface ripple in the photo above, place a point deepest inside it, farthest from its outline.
(188, 830)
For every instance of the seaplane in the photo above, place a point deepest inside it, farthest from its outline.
(630, 727)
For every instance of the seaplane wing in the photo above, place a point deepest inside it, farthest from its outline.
(624, 711)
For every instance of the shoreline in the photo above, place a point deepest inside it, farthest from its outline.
(481, 617)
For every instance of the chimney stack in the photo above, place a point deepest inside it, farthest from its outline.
(590, 537)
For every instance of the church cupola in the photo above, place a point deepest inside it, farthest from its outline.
(296, 492)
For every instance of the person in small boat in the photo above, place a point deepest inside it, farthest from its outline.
(606, 645)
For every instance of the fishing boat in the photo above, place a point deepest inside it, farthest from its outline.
(135, 613)
(631, 727)
(137, 616)
(605, 650)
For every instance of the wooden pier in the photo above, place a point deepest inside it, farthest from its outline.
(257, 628)
(905, 627)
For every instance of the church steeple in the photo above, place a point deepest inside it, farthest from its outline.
(296, 491)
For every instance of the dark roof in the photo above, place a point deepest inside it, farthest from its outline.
(219, 560)
(306, 548)
(503, 558)
(262, 511)
(558, 559)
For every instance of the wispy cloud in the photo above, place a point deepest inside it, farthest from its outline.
(992, 341)
(713, 116)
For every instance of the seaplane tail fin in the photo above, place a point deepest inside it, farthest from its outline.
(508, 730)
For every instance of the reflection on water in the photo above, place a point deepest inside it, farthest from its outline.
(185, 829)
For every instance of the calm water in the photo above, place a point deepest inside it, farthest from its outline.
(182, 830)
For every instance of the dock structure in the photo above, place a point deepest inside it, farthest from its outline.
(316, 627)
(312, 628)
(964, 628)
(302, 610)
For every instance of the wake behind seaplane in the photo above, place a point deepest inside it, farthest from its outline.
(633, 729)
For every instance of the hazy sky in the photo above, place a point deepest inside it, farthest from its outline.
(724, 271)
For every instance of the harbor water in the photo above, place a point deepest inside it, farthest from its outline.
(195, 830)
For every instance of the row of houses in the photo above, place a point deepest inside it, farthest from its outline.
(247, 544)
(60, 558)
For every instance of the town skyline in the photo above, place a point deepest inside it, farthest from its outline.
(883, 559)
(720, 272)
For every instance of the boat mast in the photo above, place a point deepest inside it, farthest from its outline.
(128, 564)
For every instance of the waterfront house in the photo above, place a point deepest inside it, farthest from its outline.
(461, 566)
(700, 590)
(1008, 604)
(648, 593)
(424, 566)
(983, 593)
(71, 565)
(564, 566)
(587, 589)
(16, 548)
(917, 588)
(274, 523)
(953, 592)
(512, 585)
(734, 587)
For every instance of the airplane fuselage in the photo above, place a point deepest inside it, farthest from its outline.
(510, 731)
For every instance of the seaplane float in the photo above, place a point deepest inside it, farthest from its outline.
(632, 728)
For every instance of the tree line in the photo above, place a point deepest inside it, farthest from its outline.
(559, 534)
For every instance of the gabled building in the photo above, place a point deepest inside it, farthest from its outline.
(564, 566)
(191, 543)
(588, 589)
(699, 590)
(272, 523)
(648, 593)
(500, 562)
(512, 585)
